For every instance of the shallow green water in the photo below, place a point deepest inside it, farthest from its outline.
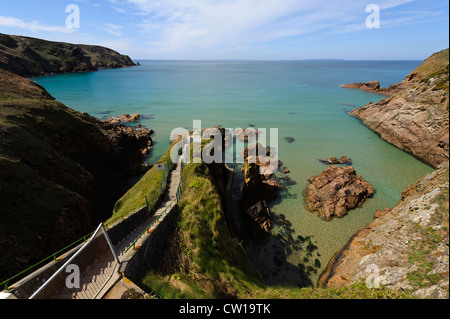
(302, 99)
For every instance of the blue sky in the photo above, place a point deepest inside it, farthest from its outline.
(239, 29)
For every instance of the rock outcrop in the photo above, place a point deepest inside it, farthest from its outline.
(414, 117)
(335, 191)
(375, 87)
(404, 248)
(28, 57)
(259, 219)
(126, 118)
(258, 187)
(334, 160)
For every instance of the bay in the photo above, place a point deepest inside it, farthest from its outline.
(302, 99)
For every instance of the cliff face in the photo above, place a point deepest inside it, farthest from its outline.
(406, 245)
(61, 172)
(32, 57)
(414, 117)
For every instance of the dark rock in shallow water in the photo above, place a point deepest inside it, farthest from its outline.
(317, 263)
(289, 139)
(333, 160)
(311, 247)
(104, 112)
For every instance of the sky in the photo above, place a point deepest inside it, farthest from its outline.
(239, 29)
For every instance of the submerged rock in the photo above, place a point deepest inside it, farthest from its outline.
(126, 118)
(333, 160)
(289, 139)
(335, 191)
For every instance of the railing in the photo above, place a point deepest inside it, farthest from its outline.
(133, 244)
(51, 257)
(153, 197)
(156, 193)
(93, 265)
(177, 199)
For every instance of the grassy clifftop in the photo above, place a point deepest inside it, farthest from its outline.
(27, 56)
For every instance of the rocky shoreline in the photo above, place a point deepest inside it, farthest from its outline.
(414, 117)
(406, 247)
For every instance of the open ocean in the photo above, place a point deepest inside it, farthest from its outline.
(303, 99)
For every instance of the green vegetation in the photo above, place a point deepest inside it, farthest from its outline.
(30, 56)
(147, 190)
(203, 260)
(433, 64)
(358, 290)
(442, 78)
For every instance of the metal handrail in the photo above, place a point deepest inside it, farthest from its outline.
(47, 282)
(6, 282)
(177, 199)
(133, 244)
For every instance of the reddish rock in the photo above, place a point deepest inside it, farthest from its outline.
(335, 191)
(333, 160)
(258, 187)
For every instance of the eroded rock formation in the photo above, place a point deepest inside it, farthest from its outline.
(335, 191)
(414, 117)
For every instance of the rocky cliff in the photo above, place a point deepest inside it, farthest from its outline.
(27, 56)
(405, 248)
(61, 172)
(414, 117)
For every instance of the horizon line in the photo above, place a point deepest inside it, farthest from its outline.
(270, 60)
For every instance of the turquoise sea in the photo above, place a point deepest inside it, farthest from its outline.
(303, 99)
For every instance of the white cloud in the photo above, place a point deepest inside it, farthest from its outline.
(33, 26)
(196, 25)
(113, 29)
